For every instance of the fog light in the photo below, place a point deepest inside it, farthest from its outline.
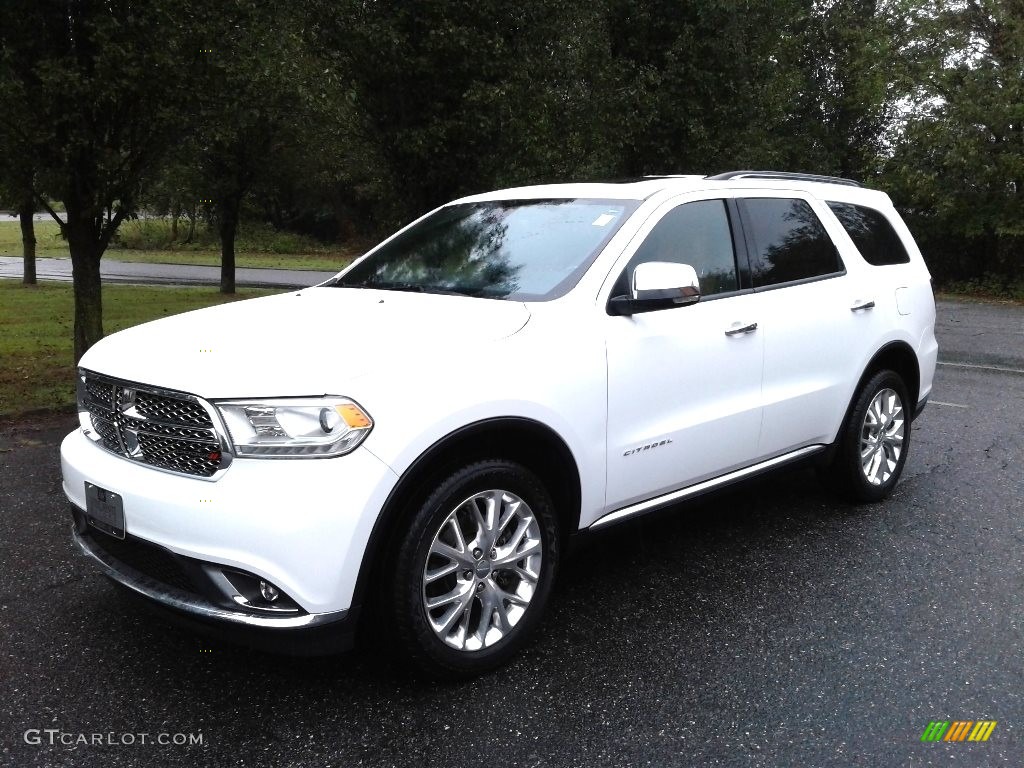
(269, 592)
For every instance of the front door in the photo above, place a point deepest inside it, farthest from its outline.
(684, 384)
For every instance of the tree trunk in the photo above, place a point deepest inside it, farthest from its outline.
(85, 270)
(175, 213)
(228, 227)
(28, 240)
(192, 214)
(88, 237)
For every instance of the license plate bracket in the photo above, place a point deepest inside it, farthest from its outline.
(104, 510)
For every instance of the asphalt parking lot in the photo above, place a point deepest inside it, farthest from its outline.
(771, 626)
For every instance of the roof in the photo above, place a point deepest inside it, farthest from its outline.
(641, 189)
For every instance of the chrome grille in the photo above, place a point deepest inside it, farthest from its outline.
(107, 432)
(169, 430)
(171, 410)
(100, 394)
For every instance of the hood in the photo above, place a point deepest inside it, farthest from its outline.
(312, 342)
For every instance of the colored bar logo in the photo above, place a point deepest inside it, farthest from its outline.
(958, 730)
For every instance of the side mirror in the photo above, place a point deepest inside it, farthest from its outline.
(658, 285)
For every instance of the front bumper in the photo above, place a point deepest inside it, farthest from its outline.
(307, 634)
(301, 524)
(163, 583)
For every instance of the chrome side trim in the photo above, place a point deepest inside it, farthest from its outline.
(708, 485)
(194, 605)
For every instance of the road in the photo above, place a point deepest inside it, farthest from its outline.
(976, 333)
(166, 274)
(771, 626)
(13, 217)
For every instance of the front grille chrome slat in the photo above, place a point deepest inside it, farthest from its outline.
(171, 411)
(100, 394)
(107, 431)
(174, 438)
(190, 458)
(161, 429)
(172, 431)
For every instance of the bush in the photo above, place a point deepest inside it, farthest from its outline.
(155, 235)
(253, 237)
(988, 286)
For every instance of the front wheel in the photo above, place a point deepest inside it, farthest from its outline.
(474, 570)
(873, 444)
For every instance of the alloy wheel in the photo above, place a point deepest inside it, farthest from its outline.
(882, 433)
(482, 570)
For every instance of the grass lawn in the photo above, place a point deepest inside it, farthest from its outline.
(48, 242)
(251, 251)
(36, 358)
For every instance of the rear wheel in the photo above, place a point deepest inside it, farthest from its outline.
(873, 444)
(474, 570)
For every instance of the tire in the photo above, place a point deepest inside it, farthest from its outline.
(873, 444)
(447, 574)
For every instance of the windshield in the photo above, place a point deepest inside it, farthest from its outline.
(524, 250)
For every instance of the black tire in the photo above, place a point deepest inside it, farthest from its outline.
(847, 471)
(419, 646)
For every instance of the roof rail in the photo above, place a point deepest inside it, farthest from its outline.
(784, 175)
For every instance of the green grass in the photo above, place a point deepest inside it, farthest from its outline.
(148, 242)
(48, 240)
(36, 357)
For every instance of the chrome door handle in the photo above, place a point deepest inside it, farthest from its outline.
(745, 329)
(860, 305)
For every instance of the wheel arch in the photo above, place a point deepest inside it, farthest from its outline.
(896, 356)
(525, 441)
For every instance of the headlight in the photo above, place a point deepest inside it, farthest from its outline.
(295, 428)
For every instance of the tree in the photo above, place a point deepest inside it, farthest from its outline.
(26, 220)
(18, 183)
(254, 115)
(455, 97)
(18, 189)
(958, 168)
(98, 86)
(845, 56)
(701, 86)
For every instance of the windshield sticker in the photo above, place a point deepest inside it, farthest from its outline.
(603, 219)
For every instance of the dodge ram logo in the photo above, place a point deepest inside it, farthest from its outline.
(122, 419)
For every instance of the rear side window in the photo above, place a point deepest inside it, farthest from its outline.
(789, 242)
(872, 233)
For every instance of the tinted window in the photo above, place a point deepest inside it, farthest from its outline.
(790, 242)
(872, 233)
(508, 249)
(696, 234)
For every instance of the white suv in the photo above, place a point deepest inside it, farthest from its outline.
(425, 433)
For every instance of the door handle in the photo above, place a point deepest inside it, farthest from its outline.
(861, 305)
(744, 329)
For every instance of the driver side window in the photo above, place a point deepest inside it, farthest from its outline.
(696, 234)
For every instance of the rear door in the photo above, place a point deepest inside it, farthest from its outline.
(816, 319)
